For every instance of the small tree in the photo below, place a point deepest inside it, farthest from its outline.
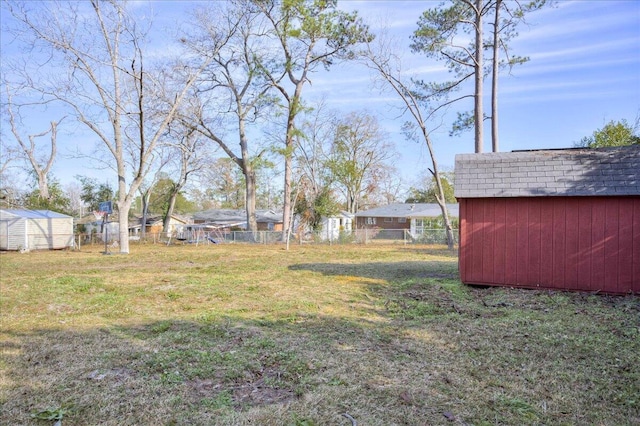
(93, 193)
(186, 161)
(614, 133)
(55, 201)
(429, 194)
(164, 198)
(312, 210)
(312, 160)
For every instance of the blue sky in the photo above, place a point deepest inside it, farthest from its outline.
(584, 71)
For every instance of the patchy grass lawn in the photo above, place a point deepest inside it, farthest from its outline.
(240, 334)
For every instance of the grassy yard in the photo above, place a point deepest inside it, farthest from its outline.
(318, 335)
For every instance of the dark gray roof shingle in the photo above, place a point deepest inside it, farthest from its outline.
(566, 172)
(225, 215)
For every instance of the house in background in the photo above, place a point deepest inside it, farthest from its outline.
(155, 224)
(334, 226)
(35, 230)
(554, 219)
(91, 226)
(230, 219)
(414, 217)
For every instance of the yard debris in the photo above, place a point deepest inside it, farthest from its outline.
(348, 416)
(117, 373)
(449, 416)
(406, 398)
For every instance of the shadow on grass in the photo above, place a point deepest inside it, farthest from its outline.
(225, 371)
(422, 350)
(572, 360)
(388, 271)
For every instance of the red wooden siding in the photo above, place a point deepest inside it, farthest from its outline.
(567, 243)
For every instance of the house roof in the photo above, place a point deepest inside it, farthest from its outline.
(90, 218)
(158, 219)
(231, 215)
(409, 210)
(565, 172)
(32, 214)
(268, 216)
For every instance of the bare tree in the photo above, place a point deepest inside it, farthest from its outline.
(185, 154)
(101, 76)
(313, 146)
(387, 66)
(40, 162)
(8, 183)
(73, 191)
(314, 181)
(389, 190)
(232, 84)
(360, 158)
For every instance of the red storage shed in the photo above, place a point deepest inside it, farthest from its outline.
(554, 219)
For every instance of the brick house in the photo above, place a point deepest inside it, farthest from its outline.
(414, 217)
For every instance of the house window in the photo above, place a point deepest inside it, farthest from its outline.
(420, 224)
(402, 220)
(388, 220)
(371, 221)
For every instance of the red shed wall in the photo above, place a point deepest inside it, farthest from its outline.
(567, 243)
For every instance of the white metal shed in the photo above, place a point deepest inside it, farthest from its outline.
(35, 230)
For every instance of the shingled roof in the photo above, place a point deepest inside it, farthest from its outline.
(409, 210)
(565, 172)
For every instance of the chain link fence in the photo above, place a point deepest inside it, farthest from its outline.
(359, 236)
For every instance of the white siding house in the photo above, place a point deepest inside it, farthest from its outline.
(333, 227)
(35, 230)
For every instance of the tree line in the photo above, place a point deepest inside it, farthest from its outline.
(223, 107)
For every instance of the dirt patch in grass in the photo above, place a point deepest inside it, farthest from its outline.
(239, 335)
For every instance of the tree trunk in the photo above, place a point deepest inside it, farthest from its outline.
(123, 222)
(145, 208)
(440, 198)
(43, 184)
(248, 171)
(288, 160)
(478, 110)
(166, 225)
(494, 79)
(250, 199)
(286, 208)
